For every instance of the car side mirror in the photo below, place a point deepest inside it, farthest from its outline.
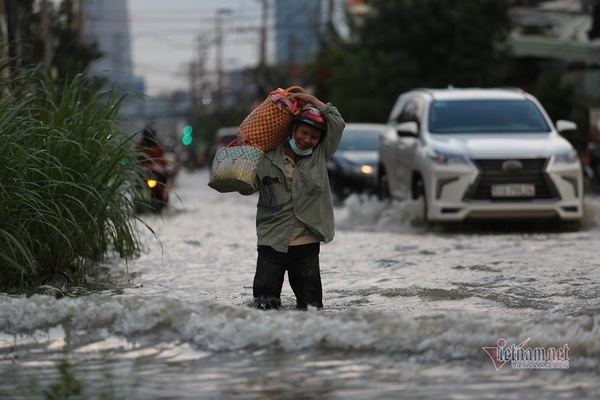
(409, 128)
(566, 128)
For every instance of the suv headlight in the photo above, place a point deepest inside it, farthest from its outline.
(567, 157)
(443, 158)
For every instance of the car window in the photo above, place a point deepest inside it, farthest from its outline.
(410, 112)
(226, 133)
(359, 140)
(481, 116)
(227, 138)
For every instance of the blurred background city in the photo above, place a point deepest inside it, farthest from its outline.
(195, 66)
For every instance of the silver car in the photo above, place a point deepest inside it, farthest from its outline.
(480, 154)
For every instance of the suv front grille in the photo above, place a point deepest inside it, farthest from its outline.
(532, 172)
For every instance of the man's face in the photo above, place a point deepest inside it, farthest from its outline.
(306, 136)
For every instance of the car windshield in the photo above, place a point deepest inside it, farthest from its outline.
(483, 116)
(227, 138)
(359, 140)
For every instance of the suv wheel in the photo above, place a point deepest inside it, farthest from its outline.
(419, 195)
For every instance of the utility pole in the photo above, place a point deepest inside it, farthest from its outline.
(331, 37)
(194, 87)
(197, 72)
(330, 8)
(261, 70)
(262, 59)
(219, 60)
(75, 15)
(219, 55)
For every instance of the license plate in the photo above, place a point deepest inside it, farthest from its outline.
(513, 190)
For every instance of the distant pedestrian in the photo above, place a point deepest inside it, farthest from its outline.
(295, 210)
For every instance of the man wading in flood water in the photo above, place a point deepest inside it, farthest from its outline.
(295, 210)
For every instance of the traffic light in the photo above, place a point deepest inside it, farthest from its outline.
(187, 135)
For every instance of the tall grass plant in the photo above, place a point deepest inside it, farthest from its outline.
(67, 180)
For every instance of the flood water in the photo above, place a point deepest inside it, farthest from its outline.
(408, 310)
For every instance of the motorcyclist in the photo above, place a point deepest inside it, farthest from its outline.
(153, 158)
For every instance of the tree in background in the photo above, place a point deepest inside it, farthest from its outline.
(405, 44)
(71, 55)
(39, 32)
(562, 100)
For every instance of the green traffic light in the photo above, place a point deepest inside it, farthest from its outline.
(187, 135)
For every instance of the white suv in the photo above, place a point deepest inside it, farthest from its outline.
(480, 154)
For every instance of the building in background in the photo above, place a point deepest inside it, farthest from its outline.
(303, 27)
(106, 23)
(298, 25)
(564, 33)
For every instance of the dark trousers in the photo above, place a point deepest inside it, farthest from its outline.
(302, 266)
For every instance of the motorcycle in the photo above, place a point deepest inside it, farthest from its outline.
(157, 184)
(592, 169)
(157, 172)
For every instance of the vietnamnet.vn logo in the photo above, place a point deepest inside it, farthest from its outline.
(521, 357)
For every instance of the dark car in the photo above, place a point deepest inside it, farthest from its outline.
(223, 137)
(352, 169)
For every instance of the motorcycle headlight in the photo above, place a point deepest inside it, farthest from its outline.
(567, 157)
(443, 158)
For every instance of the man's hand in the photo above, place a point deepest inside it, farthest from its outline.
(305, 98)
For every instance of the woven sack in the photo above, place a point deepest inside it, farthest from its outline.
(269, 124)
(234, 169)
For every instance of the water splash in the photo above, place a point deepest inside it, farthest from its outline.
(367, 213)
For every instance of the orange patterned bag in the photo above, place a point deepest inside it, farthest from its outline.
(268, 125)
